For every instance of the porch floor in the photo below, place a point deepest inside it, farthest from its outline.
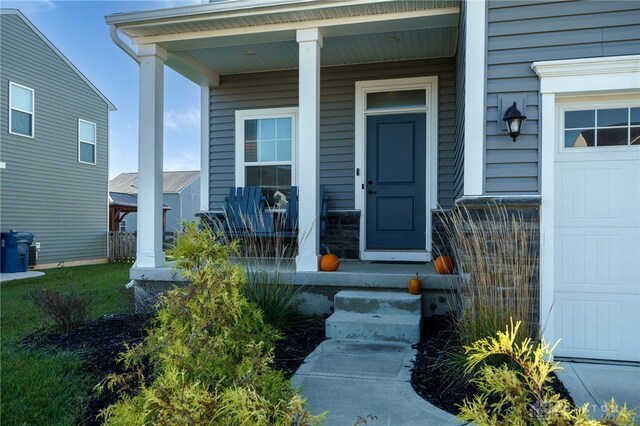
(356, 273)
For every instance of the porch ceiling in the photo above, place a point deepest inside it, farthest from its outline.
(241, 36)
(377, 47)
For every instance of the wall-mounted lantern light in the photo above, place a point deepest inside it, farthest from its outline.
(514, 120)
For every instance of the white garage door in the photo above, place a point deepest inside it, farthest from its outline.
(597, 232)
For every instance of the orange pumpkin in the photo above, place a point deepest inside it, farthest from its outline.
(443, 264)
(415, 286)
(329, 262)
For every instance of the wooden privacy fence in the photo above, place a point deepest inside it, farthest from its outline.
(122, 246)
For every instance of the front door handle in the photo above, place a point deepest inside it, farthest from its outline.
(371, 191)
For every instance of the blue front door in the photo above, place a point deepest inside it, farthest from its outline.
(395, 182)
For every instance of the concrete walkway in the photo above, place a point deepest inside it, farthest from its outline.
(597, 383)
(350, 379)
(5, 276)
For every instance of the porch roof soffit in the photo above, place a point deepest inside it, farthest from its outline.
(229, 37)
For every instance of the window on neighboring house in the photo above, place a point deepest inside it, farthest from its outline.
(265, 151)
(602, 127)
(21, 100)
(86, 142)
(123, 226)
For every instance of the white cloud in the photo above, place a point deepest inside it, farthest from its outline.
(185, 160)
(176, 120)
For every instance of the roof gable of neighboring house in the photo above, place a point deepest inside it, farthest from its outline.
(16, 12)
(172, 182)
(127, 200)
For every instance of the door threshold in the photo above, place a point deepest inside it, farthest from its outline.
(396, 256)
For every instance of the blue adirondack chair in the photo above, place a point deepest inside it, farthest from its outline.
(290, 227)
(245, 213)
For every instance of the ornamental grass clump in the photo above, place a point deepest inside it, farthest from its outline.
(517, 390)
(208, 352)
(495, 251)
(268, 261)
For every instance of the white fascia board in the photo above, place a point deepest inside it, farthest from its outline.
(292, 26)
(227, 9)
(17, 12)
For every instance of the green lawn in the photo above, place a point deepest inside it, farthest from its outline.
(39, 387)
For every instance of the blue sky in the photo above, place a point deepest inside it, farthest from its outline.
(78, 29)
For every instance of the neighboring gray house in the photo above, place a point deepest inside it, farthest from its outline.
(397, 107)
(53, 148)
(181, 194)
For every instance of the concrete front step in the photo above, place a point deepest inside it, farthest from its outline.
(377, 302)
(373, 327)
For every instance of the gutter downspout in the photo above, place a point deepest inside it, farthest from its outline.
(129, 51)
(121, 44)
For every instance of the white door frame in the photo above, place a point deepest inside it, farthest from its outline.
(564, 78)
(430, 84)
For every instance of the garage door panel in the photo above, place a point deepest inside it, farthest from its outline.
(597, 247)
(591, 326)
(598, 259)
(597, 194)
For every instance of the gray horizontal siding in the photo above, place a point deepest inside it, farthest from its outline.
(45, 190)
(337, 104)
(522, 32)
(458, 183)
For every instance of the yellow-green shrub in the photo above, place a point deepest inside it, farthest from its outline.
(209, 352)
(517, 390)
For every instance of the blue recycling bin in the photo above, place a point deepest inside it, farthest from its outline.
(14, 251)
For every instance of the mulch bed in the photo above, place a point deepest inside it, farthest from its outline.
(429, 376)
(101, 340)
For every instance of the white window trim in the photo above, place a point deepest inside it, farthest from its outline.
(33, 113)
(256, 114)
(120, 226)
(430, 85)
(94, 143)
(561, 80)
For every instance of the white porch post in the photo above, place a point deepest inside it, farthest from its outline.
(204, 148)
(152, 59)
(310, 43)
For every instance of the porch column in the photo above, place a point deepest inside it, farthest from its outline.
(152, 59)
(204, 148)
(310, 43)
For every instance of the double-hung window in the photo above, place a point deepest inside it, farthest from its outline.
(265, 151)
(86, 142)
(21, 107)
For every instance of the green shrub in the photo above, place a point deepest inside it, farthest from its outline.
(209, 351)
(517, 391)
